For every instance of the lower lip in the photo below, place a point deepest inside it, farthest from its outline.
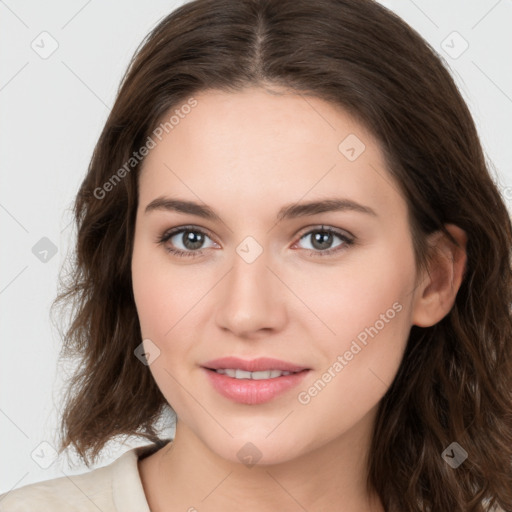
(253, 392)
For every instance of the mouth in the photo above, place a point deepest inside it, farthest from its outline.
(261, 364)
(253, 382)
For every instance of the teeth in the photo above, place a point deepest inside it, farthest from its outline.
(242, 374)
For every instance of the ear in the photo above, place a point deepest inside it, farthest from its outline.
(435, 297)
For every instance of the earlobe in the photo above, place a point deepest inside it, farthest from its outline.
(435, 297)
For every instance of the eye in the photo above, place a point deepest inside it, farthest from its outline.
(190, 238)
(322, 239)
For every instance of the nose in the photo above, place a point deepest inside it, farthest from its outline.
(251, 298)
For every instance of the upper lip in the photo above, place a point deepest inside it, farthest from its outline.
(253, 365)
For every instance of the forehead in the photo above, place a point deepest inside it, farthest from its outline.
(267, 147)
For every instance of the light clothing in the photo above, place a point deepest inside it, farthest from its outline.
(113, 488)
(116, 487)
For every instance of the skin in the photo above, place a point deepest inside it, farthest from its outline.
(246, 155)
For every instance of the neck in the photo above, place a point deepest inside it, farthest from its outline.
(186, 475)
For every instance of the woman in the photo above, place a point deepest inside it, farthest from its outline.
(288, 236)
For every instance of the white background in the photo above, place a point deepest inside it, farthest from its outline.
(52, 112)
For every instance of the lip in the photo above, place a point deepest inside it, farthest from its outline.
(253, 365)
(249, 391)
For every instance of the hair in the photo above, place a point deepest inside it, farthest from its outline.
(455, 380)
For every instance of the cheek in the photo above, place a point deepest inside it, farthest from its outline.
(165, 299)
(368, 308)
(360, 364)
(367, 293)
(165, 294)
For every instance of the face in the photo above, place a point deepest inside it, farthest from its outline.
(328, 289)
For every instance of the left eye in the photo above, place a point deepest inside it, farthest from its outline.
(322, 239)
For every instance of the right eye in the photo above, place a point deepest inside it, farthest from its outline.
(190, 238)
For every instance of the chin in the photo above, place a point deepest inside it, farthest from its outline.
(257, 449)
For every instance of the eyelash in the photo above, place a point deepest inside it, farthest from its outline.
(194, 254)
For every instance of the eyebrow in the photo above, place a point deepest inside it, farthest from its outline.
(290, 211)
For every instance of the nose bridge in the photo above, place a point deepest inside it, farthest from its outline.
(250, 300)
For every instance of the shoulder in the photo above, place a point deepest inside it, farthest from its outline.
(65, 493)
(112, 488)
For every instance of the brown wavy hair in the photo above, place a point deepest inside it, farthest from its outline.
(455, 380)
